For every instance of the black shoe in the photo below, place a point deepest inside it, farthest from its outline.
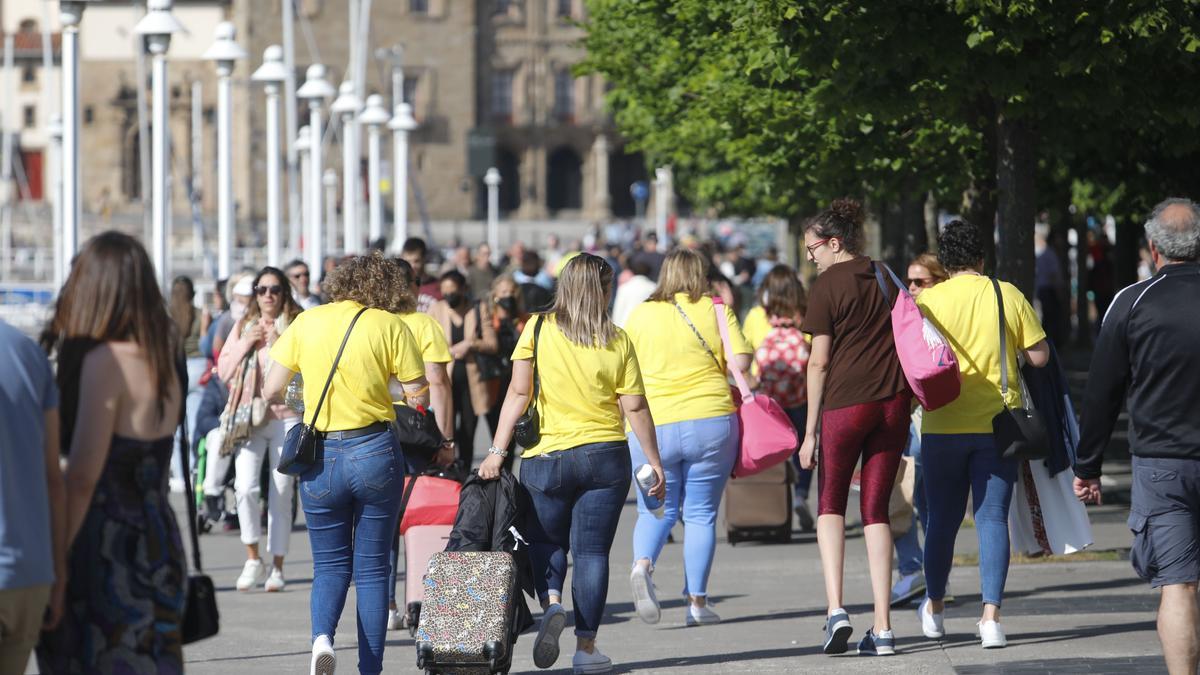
(807, 524)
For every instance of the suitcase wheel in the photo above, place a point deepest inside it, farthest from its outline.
(413, 618)
(493, 651)
(733, 537)
(425, 656)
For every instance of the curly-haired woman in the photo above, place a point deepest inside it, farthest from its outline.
(857, 391)
(352, 495)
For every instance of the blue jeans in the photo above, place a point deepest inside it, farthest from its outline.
(697, 456)
(909, 556)
(799, 418)
(954, 464)
(351, 500)
(577, 496)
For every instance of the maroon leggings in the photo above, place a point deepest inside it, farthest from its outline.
(876, 431)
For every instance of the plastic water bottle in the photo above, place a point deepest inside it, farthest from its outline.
(293, 396)
(646, 478)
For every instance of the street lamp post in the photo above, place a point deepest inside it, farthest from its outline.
(374, 117)
(55, 131)
(492, 180)
(315, 90)
(70, 13)
(157, 26)
(302, 147)
(330, 181)
(272, 73)
(402, 123)
(224, 52)
(347, 106)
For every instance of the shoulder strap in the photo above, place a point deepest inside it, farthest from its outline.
(879, 268)
(699, 337)
(738, 375)
(184, 453)
(333, 368)
(478, 320)
(1003, 343)
(537, 378)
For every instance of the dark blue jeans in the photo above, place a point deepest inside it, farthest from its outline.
(351, 500)
(577, 496)
(955, 464)
(799, 418)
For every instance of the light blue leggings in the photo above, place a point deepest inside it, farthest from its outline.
(697, 456)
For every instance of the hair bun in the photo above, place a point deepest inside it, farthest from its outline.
(847, 210)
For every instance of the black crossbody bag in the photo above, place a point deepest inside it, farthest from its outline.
(200, 616)
(300, 445)
(527, 431)
(1020, 433)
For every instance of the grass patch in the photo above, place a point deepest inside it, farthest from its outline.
(972, 559)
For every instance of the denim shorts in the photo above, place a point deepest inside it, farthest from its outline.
(1164, 517)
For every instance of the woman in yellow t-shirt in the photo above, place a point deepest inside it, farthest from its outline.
(578, 474)
(679, 347)
(352, 496)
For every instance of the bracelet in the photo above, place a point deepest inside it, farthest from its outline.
(497, 451)
(447, 442)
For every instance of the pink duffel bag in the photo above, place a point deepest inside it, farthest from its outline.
(925, 355)
(432, 501)
(768, 437)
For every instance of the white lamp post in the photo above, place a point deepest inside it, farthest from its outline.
(302, 146)
(69, 14)
(492, 180)
(315, 90)
(347, 106)
(224, 52)
(400, 125)
(330, 181)
(661, 187)
(374, 117)
(157, 26)
(272, 73)
(55, 131)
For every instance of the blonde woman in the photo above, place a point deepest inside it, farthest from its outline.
(267, 317)
(679, 345)
(578, 474)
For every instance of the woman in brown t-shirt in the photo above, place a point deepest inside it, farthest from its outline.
(857, 388)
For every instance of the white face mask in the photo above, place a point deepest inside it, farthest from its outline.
(766, 298)
(238, 309)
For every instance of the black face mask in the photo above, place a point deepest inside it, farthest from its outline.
(508, 305)
(455, 299)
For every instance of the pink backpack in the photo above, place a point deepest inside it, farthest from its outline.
(925, 355)
(768, 436)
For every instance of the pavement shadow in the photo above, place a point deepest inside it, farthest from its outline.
(1106, 584)
(712, 659)
(1128, 665)
(968, 640)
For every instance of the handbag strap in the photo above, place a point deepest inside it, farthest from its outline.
(723, 327)
(1003, 343)
(708, 350)
(878, 268)
(184, 453)
(333, 368)
(537, 378)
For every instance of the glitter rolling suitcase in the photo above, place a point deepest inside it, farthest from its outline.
(466, 620)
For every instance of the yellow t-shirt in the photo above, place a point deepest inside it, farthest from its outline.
(380, 347)
(577, 403)
(756, 326)
(430, 337)
(682, 382)
(964, 309)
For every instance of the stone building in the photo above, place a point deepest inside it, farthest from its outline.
(490, 82)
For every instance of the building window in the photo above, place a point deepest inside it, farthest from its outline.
(502, 95)
(27, 26)
(30, 116)
(566, 8)
(564, 95)
(411, 83)
(89, 114)
(28, 74)
(418, 6)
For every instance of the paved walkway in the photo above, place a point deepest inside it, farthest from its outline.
(1061, 617)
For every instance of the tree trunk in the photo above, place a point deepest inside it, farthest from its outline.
(1016, 165)
(1125, 262)
(903, 225)
(931, 222)
(1083, 324)
(979, 208)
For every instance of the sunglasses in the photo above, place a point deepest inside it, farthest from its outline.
(273, 290)
(922, 283)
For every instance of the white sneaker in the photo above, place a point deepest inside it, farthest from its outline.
(644, 599)
(545, 645)
(991, 634)
(324, 661)
(585, 663)
(701, 616)
(932, 625)
(275, 581)
(253, 574)
(395, 619)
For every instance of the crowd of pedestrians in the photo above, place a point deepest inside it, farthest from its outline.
(623, 359)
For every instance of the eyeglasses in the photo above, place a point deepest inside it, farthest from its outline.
(273, 290)
(922, 283)
(816, 245)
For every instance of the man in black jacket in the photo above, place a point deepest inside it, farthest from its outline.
(1149, 347)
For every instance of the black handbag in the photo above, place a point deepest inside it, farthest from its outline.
(1020, 433)
(417, 431)
(200, 616)
(527, 431)
(490, 366)
(300, 445)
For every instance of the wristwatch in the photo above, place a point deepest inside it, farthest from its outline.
(497, 451)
